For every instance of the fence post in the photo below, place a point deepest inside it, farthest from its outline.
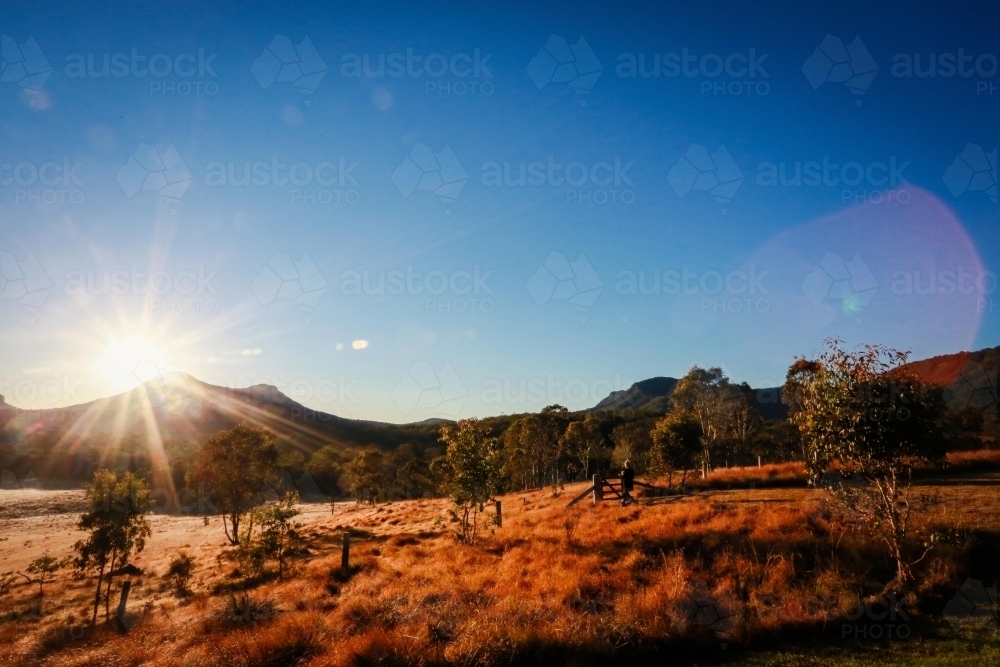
(126, 587)
(598, 488)
(345, 554)
(499, 515)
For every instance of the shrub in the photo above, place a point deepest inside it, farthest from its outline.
(179, 572)
(243, 609)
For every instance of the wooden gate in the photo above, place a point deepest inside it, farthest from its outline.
(606, 486)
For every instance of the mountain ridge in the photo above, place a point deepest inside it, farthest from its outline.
(178, 409)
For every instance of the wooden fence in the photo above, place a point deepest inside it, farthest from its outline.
(607, 486)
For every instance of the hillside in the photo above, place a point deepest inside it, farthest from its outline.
(652, 396)
(179, 410)
(969, 378)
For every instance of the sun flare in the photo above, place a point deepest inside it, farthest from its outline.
(127, 362)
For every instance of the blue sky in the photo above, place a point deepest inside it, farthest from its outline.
(745, 276)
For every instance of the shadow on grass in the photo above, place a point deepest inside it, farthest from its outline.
(244, 583)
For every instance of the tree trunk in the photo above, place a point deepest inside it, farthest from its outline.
(97, 596)
(107, 592)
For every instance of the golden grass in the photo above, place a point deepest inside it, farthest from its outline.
(737, 566)
(982, 458)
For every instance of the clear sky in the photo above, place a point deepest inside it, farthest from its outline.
(458, 209)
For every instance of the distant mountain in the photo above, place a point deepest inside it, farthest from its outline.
(969, 378)
(652, 397)
(179, 410)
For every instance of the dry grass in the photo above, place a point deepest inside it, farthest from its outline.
(770, 475)
(743, 567)
(975, 460)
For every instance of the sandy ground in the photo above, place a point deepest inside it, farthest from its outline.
(33, 522)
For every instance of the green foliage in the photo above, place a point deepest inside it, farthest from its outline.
(291, 460)
(585, 446)
(705, 395)
(369, 476)
(179, 571)
(531, 448)
(326, 467)
(633, 441)
(860, 407)
(863, 410)
(277, 530)
(117, 526)
(777, 441)
(44, 568)
(415, 479)
(232, 468)
(676, 444)
(268, 535)
(474, 468)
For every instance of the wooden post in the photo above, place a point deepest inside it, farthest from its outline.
(499, 515)
(126, 587)
(345, 554)
(598, 489)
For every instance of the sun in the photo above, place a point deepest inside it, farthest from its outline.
(127, 362)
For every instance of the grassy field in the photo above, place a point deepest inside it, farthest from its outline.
(768, 575)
